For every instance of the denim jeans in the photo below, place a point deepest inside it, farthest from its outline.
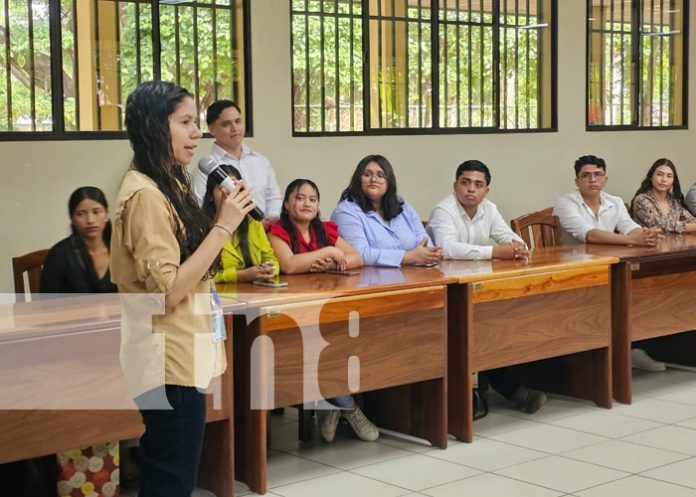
(172, 443)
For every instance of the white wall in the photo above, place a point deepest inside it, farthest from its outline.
(529, 170)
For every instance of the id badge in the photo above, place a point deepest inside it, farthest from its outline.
(218, 318)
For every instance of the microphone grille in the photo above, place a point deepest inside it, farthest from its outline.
(206, 165)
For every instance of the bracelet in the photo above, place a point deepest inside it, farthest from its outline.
(223, 227)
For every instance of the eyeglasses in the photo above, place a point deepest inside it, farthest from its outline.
(595, 174)
(377, 177)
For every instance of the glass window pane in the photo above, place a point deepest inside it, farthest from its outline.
(26, 86)
(107, 50)
(327, 66)
(641, 43)
(400, 65)
(466, 65)
(494, 64)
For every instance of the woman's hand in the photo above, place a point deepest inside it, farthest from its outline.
(234, 206)
(330, 259)
(265, 271)
(423, 254)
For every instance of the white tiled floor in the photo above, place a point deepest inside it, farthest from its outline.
(569, 448)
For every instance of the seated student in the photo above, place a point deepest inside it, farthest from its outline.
(76, 264)
(248, 255)
(304, 244)
(225, 122)
(382, 226)
(589, 215)
(80, 262)
(659, 202)
(463, 223)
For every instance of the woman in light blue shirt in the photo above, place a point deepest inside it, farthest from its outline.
(378, 223)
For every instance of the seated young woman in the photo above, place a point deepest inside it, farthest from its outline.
(80, 262)
(304, 244)
(659, 202)
(247, 255)
(382, 226)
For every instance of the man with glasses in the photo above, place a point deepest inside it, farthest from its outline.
(589, 215)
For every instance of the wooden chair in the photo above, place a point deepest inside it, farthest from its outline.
(538, 229)
(32, 264)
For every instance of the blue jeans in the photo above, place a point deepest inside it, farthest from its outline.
(172, 443)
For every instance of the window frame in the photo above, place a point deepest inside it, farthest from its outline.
(60, 134)
(636, 59)
(435, 129)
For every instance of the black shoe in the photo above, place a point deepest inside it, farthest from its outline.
(528, 400)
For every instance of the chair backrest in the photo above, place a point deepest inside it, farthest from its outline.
(32, 264)
(538, 229)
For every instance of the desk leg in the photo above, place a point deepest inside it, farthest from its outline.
(217, 458)
(217, 465)
(621, 331)
(418, 409)
(459, 367)
(250, 425)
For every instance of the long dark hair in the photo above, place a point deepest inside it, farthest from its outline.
(315, 224)
(390, 204)
(209, 206)
(646, 185)
(147, 120)
(77, 243)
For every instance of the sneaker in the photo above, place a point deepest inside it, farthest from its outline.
(528, 400)
(329, 424)
(363, 427)
(641, 360)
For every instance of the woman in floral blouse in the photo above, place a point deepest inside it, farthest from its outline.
(659, 202)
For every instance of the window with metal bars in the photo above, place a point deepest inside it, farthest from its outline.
(636, 64)
(67, 67)
(422, 66)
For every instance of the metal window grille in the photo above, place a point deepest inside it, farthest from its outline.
(67, 67)
(636, 70)
(424, 66)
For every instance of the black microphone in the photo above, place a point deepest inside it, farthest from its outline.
(209, 167)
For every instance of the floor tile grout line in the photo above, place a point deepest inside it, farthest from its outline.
(665, 481)
(305, 479)
(542, 455)
(565, 456)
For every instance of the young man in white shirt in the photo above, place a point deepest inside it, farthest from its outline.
(589, 215)
(463, 224)
(226, 125)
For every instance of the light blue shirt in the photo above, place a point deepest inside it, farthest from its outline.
(380, 243)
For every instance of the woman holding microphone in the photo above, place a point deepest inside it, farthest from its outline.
(165, 249)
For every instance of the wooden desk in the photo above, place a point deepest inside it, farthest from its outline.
(505, 313)
(401, 346)
(652, 296)
(63, 355)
